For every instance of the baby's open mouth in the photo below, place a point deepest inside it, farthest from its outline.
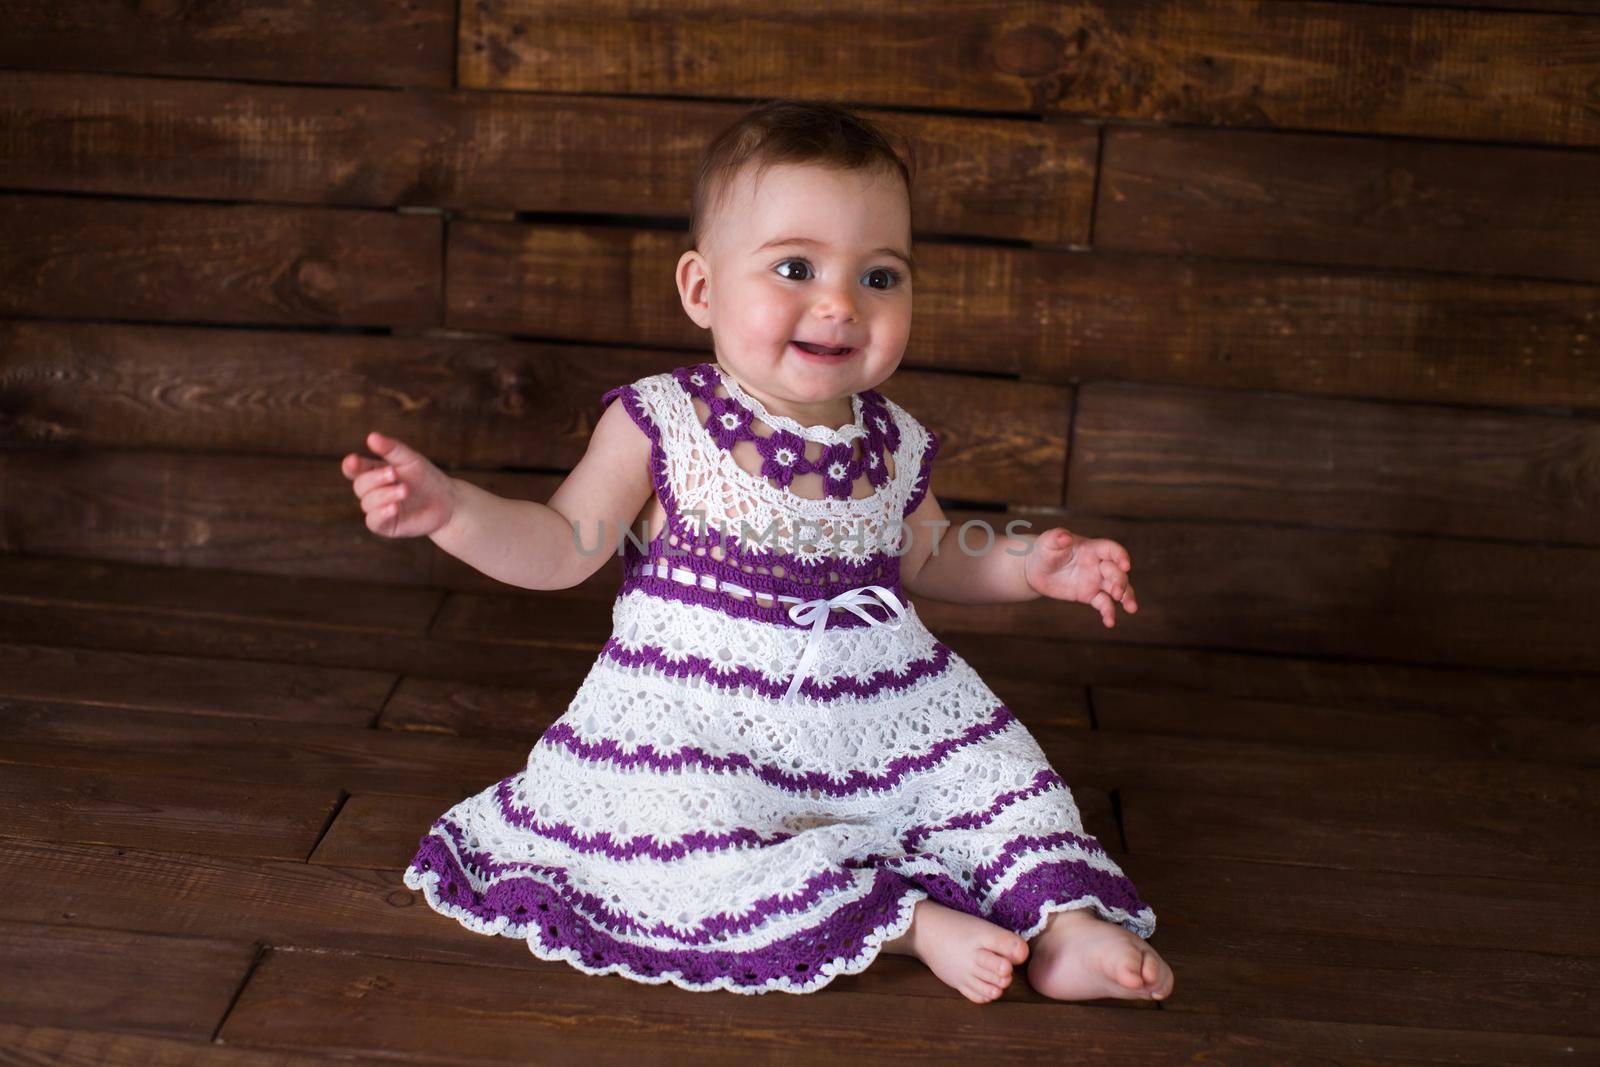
(823, 350)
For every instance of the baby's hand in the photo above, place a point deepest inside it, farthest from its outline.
(1093, 570)
(403, 494)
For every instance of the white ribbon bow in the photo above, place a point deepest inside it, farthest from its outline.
(815, 612)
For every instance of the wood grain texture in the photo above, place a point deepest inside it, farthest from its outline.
(298, 1000)
(1342, 829)
(483, 151)
(189, 684)
(72, 257)
(1396, 205)
(155, 808)
(1543, 727)
(463, 402)
(1063, 316)
(1327, 593)
(69, 1047)
(113, 980)
(1363, 68)
(496, 637)
(1363, 894)
(1240, 585)
(341, 41)
(1202, 454)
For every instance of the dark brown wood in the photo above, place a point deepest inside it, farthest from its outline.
(101, 741)
(1302, 591)
(1553, 730)
(341, 41)
(1317, 331)
(476, 151)
(102, 978)
(1224, 586)
(1313, 336)
(257, 513)
(1309, 199)
(1266, 899)
(1493, 838)
(1309, 978)
(1424, 73)
(193, 684)
(461, 401)
(338, 622)
(79, 257)
(1192, 673)
(306, 1000)
(90, 1048)
(1423, 469)
(1575, 7)
(1067, 316)
(328, 621)
(177, 808)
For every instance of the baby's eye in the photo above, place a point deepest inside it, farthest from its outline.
(892, 275)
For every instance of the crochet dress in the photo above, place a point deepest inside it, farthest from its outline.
(772, 759)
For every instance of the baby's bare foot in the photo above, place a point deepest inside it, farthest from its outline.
(1080, 956)
(971, 955)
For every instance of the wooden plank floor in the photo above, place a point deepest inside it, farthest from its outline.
(211, 782)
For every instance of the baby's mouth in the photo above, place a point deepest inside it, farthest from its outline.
(822, 350)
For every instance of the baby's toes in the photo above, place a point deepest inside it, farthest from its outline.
(1128, 968)
(1161, 984)
(994, 975)
(995, 963)
(1151, 971)
(979, 991)
(1007, 945)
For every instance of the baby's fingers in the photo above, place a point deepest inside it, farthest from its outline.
(380, 498)
(1102, 603)
(1115, 581)
(394, 452)
(353, 465)
(379, 475)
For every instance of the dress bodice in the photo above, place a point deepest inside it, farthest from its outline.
(762, 503)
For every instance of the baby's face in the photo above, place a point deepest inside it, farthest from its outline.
(849, 286)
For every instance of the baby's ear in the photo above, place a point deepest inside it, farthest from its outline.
(694, 288)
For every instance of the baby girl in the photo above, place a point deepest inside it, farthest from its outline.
(773, 771)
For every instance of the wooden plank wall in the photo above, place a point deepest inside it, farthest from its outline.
(1296, 300)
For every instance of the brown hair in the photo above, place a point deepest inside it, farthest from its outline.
(794, 131)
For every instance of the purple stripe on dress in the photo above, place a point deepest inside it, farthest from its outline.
(747, 608)
(1062, 881)
(1055, 881)
(594, 909)
(535, 911)
(654, 657)
(986, 874)
(1043, 781)
(700, 841)
(650, 758)
(640, 845)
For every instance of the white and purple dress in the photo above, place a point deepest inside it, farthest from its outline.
(772, 759)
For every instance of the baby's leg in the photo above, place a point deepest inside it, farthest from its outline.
(969, 954)
(1081, 956)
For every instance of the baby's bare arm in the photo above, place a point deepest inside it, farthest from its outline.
(935, 566)
(532, 545)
